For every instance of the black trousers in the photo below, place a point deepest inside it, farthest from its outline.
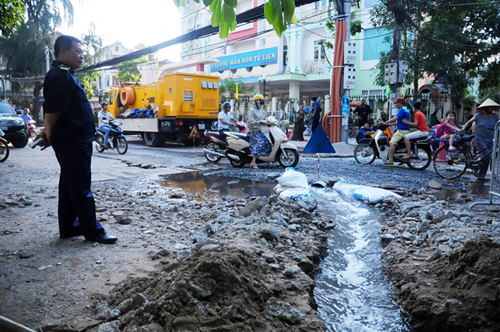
(76, 208)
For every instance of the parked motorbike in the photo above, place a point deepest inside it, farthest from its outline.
(215, 143)
(284, 152)
(31, 126)
(378, 147)
(4, 147)
(116, 138)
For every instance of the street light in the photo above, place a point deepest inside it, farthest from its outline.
(263, 80)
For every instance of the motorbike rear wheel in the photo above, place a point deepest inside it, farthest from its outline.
(288, 158)
(4, 151)
(421, 158)
(236, 163)
(100, 144)
(121, 145)
(215, 148)
(364, 154)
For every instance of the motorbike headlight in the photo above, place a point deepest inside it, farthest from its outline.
(18, 121)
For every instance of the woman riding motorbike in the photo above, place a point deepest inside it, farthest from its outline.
(259, 143)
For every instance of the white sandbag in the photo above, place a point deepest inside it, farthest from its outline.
(373, 195)
(278, 189)
(364, 193)
(300, 196)
(346, 189)
(293, 179)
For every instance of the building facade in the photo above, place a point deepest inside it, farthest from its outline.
(296, 65)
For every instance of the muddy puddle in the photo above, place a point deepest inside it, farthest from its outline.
(210, 186)
(471, 191)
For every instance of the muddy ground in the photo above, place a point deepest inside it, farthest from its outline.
(181, 263)
(184, 264)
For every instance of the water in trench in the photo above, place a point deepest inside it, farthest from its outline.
(352, 293)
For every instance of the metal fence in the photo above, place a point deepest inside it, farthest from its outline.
(495, 171)
(284, 108)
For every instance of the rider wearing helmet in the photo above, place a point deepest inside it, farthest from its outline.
(225, 118)
(104, 117)
(26, 115)
(259, 143)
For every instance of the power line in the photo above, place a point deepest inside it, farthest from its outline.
(248, 16)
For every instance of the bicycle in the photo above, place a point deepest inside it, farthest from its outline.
(453, 164)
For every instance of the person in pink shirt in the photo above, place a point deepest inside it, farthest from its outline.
(449, 127)
(422, 128)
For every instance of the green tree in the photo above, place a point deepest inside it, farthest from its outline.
(451, 39)
(89, 81)
(11, 16)
(279, 13)
(91, 45)
(228, 88)
(24, 48)
(127, 71)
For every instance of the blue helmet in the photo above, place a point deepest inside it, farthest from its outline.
(226, 104)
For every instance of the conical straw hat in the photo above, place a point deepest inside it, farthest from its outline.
(488, 103)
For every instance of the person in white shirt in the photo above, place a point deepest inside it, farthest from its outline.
(104, 117)
(225, 118)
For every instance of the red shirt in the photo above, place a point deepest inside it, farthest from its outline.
(422, 122)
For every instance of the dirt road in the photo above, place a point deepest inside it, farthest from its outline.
(214, 268)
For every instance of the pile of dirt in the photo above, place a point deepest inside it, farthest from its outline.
(244, 265)
(445, 267)
(212, 291)
(226, 290)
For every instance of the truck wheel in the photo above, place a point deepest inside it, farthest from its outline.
(153, 139)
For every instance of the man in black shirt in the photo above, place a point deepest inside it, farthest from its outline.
(363, 111)
(69, 128)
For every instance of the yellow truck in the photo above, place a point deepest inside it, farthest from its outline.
(179, 108)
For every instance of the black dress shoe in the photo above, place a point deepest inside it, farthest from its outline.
(102, 238)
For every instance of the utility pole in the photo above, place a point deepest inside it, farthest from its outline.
(344, 129)
(47, 62)
(4, 88)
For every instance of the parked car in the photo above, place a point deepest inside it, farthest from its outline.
(13, 126)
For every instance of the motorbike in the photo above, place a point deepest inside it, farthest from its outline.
(116, 138)
(4, 147)
(215, 144)
(378, 147)
(284, 152)
(31, 126)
